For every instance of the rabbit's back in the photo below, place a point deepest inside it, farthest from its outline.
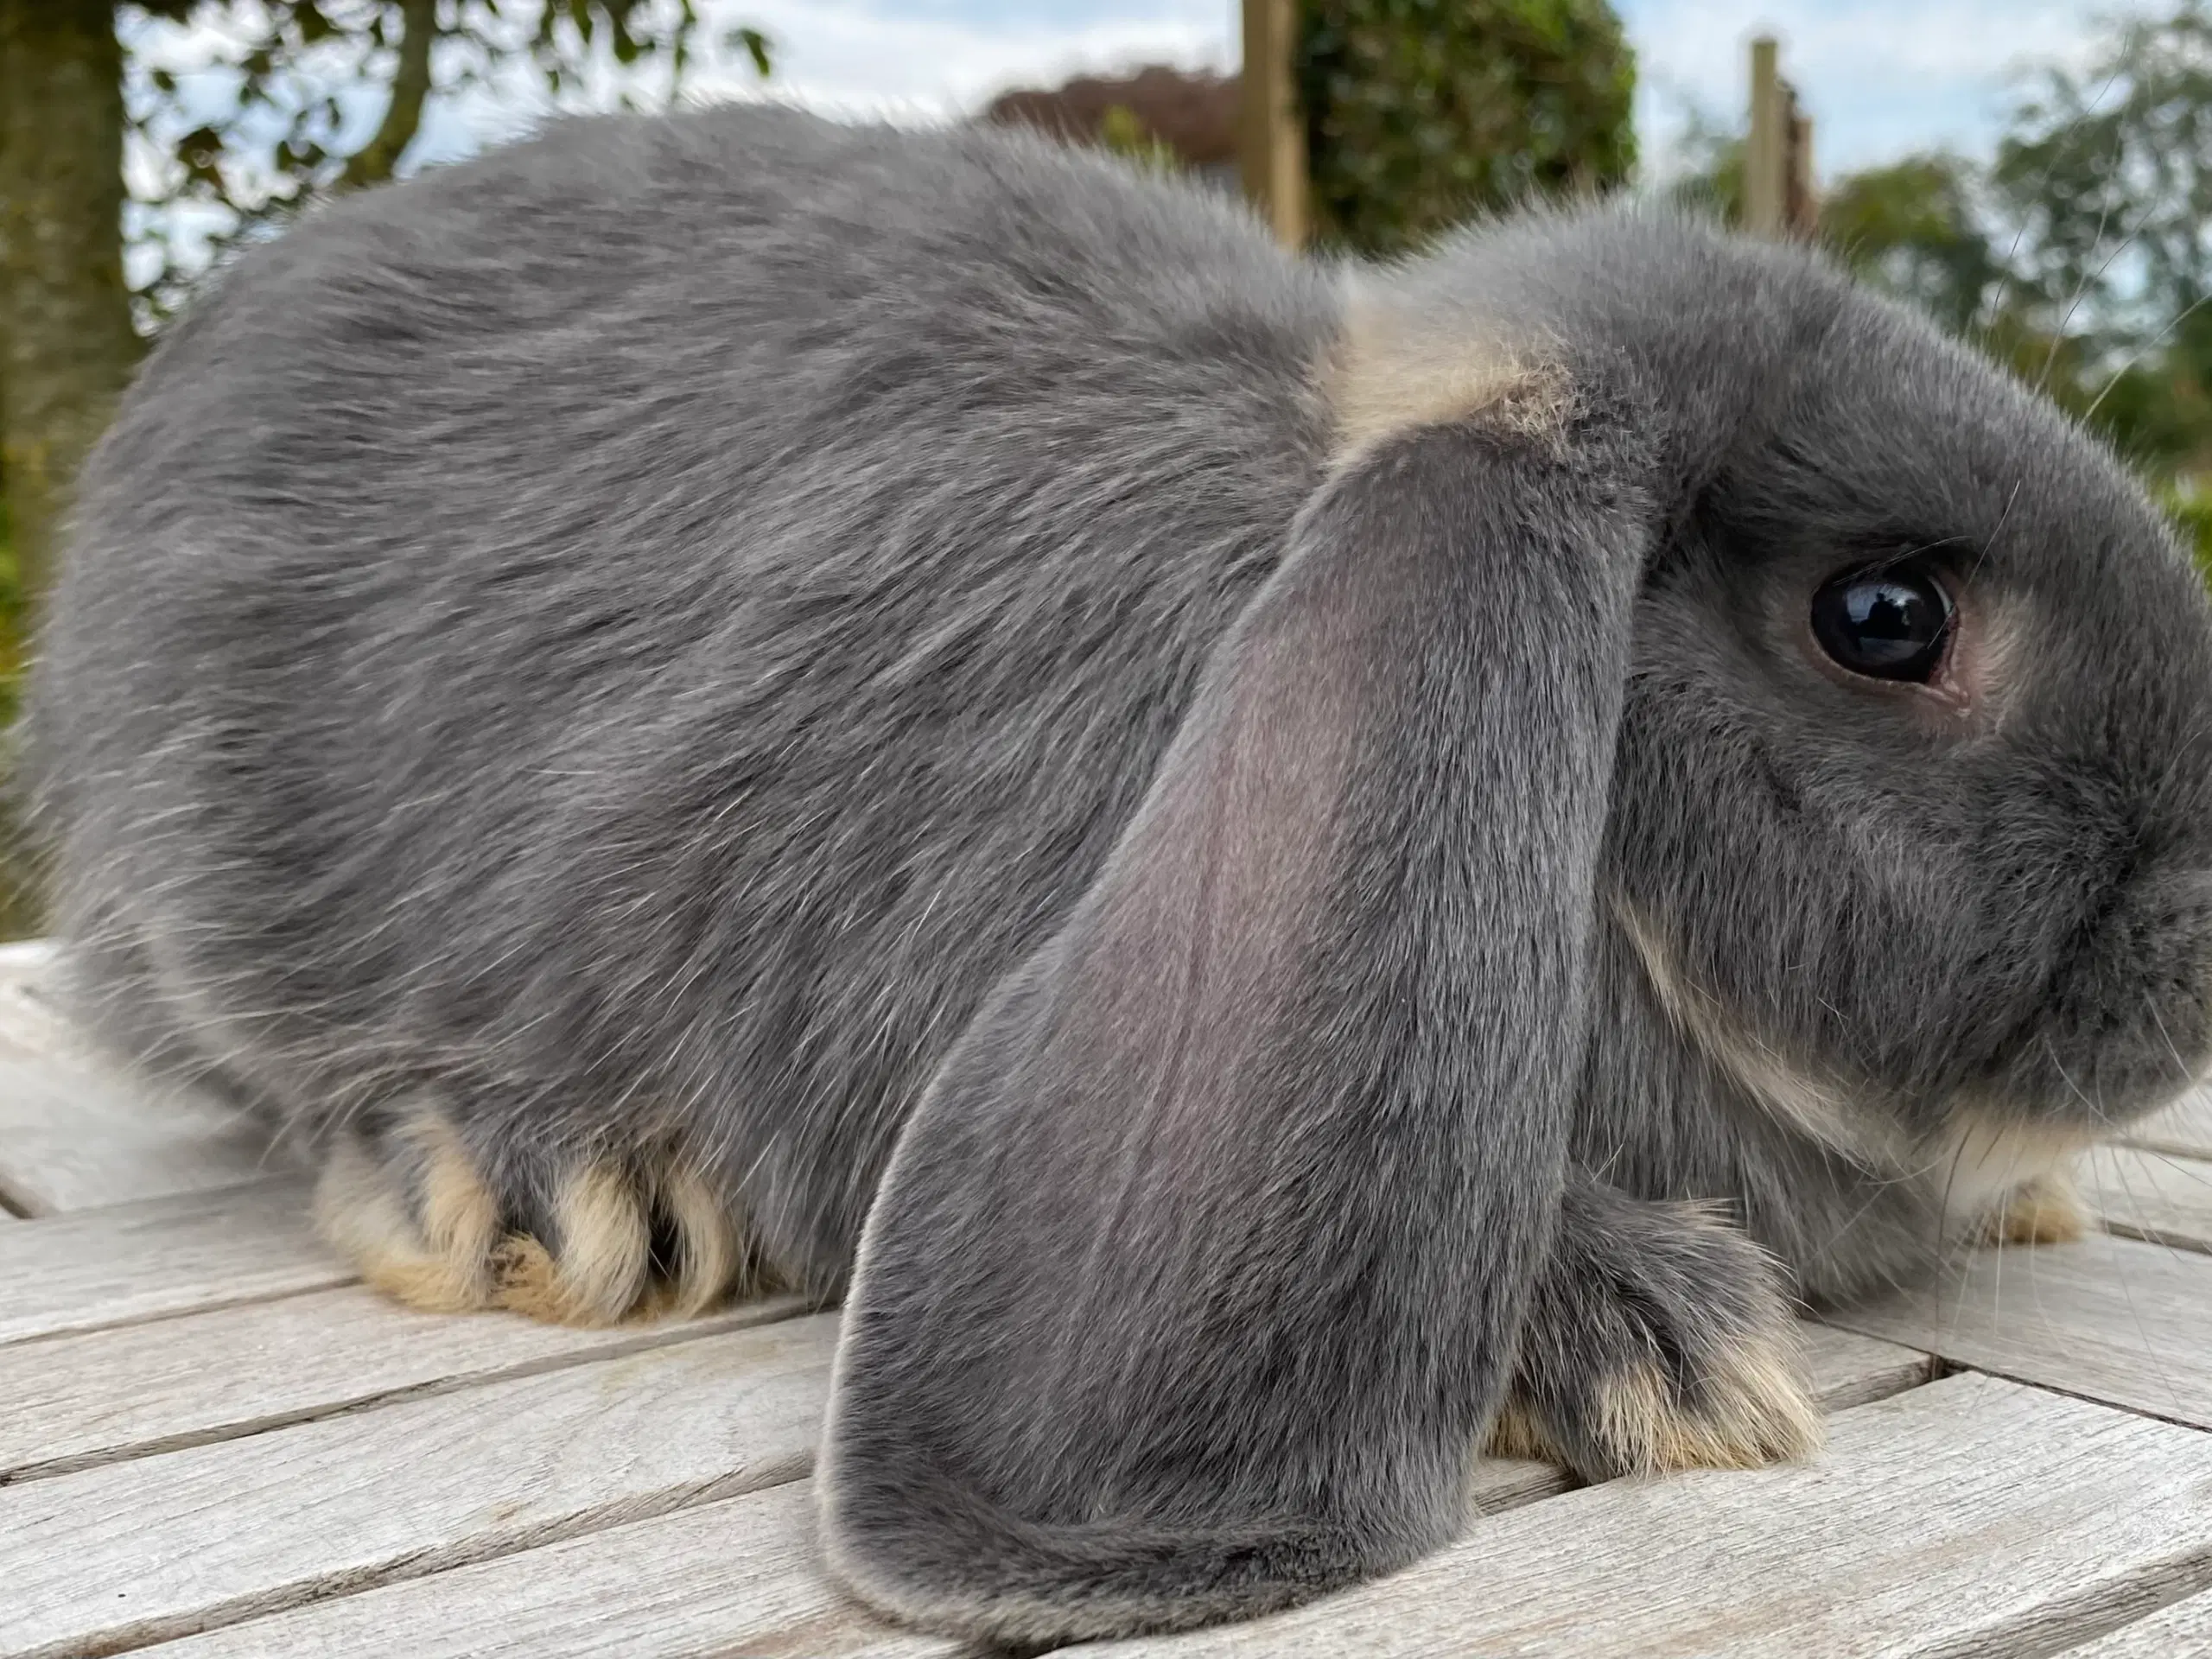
(637, 632)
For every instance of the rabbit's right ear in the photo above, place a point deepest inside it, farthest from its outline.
(1199, 1268)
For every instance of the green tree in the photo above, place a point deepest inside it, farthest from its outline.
(1914, 228)
(71, 99)
(1422, 113)
(68, 344)
(2106, 178)
(2104, 184)
(282, 139)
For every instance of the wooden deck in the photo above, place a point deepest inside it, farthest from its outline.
(213, 1443)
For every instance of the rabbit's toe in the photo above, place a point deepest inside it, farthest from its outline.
(2045, 1210)
(1658, 1340)
(591, 1244)
(1748, 1409)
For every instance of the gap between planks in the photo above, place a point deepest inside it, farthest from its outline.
(2109, 1320)
(121, 1555)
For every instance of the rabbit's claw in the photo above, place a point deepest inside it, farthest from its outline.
(597, 1241)
(1659, 1345)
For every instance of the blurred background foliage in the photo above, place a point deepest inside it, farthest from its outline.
(2077, 252)
(1422, 112)
(2080, 254)
(141, 142)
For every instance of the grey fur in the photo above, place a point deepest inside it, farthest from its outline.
(659, 632)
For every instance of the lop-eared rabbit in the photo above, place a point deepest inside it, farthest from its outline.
(1277, 871)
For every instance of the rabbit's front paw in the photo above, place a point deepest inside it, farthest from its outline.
(592, 1241)
(1658, 1339)
(2046, 1210)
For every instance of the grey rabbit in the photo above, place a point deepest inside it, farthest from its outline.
(1278, 870)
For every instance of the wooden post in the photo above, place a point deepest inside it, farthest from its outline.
(1272, 159)
(1801, 209)
(1765, 152)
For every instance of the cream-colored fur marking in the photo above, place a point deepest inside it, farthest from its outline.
(1386, 374)
(1515, 1433)
(439, 1246)
(606, 1251)
(1813, 1107)
(2047, 1210)
(1984, 1164)
(710, 1256)
(435, 1253)
(1978, 1167)
(1756, 1411)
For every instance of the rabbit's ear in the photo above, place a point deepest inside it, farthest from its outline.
(1198, 1270)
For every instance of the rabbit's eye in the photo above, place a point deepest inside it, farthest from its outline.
(1888, 625)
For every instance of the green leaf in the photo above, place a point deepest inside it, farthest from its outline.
(754, 44)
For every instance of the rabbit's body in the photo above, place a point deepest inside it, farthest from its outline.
(633, 640)
(607, 687)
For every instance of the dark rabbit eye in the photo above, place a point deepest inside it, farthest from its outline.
(1888, 625)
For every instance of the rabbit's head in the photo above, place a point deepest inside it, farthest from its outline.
(1665, 591)
(1911, 827)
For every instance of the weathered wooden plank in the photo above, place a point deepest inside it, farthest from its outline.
(1847, 1369)
(100, 1267)
(74, 1135)
(2162, 1197)
(743, 1573)
(740, 1574)
(2182, 1629)
(2113, 1319)
(130, 1553)
(76, 1402)
(2184, 1127)
(1971, 1518)
(667, 1586)
(77, 1130)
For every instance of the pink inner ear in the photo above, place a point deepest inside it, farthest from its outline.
(1216, 892)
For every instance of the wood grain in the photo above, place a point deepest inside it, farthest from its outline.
(737, 1574)
(2113, 1319)
(100, 1267)
(1847, 1369)
(77, 1136)
(77, 1401)
(2162, 1197)
(2184, 1127)
(130, 1553)
(1972, 1518)
(2181, 1629)
(78, 1131)
(691, 1582)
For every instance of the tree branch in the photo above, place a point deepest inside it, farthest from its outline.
(410, 84)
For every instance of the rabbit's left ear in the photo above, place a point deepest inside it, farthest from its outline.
(1199, 1270)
